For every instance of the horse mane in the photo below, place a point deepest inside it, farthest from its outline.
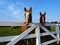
(30, 18)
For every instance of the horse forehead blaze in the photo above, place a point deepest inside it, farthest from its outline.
(27, 13)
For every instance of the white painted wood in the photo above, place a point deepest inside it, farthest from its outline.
(13, 24)
(16, 39)
(45, 34)
(22, 24)
(30, 36)
(47, 31)
(57, 29)
(49, 42)
(9, 38)
(51, 24)
(37, 32)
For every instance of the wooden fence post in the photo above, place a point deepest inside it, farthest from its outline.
(57, 29)
(37, 32)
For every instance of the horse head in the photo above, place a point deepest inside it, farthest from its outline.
(28, 16)
(42, 18)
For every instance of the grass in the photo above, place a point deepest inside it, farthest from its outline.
(6, 31)
(52, 28)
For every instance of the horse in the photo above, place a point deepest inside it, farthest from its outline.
(42, 18)
(42, 21)
(14, 27)
(28, 19)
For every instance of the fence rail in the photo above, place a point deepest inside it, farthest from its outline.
(22, 24)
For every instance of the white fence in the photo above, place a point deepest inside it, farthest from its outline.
(14, 39)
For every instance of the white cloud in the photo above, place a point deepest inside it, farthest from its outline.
(16, 13)
(11, 7)
(13, 10)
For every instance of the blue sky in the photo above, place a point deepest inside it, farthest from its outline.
(13, 10)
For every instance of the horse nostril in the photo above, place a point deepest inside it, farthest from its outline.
(27, 23)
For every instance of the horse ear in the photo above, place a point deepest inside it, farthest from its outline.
(40, 13)
(31, 9)
(24, 9)
(45, 13)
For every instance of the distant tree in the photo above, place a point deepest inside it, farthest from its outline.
(55, 22)
(52, 22)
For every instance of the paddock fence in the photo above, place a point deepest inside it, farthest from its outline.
(14, 39)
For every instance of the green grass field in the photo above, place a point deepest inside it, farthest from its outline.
(6, 31)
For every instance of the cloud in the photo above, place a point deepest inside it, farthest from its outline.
(12, 10)
(11, 7)
(16, 13)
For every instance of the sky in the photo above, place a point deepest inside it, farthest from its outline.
(13, 10)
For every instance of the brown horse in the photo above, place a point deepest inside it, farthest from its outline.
(42, 21)
(14, 27)
(28, 19)
(42, 18)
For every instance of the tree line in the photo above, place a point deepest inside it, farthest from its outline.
(55, 22)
